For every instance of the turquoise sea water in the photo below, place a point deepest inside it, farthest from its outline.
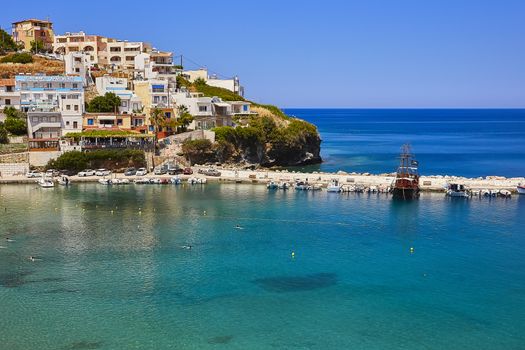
(123, 279)
(464, 142)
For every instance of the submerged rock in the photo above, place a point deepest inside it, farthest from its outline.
(283, 284)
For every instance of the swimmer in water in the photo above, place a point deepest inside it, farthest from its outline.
(186, 247)
(32, 258)
(9, 239)
(239, 227)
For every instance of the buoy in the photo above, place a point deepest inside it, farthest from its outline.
(204, 212)
(293, 254)
(411, 250)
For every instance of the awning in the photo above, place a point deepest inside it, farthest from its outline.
(221, 104)
(106, 117)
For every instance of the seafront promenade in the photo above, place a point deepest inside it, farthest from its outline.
(434, 183)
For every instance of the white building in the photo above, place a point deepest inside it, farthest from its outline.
(155, 65)
(122, 53)
(129, 102)
(78, 63)
(232, 84)
(9, 97)
(55, 104)
(200, 107)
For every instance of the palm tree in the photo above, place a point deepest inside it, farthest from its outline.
(156, 118)
(185, 118)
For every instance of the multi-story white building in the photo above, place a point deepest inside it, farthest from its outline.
(200, 107)
(9, 97)
(78, 63)
(122, 53)
(91, 45)
(155, 65)
(54, 104)
(232, 84)
(129, 101)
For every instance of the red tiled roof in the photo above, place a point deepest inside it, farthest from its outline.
(7, 82)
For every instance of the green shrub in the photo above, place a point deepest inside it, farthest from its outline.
(110, 159)
(198, 151)
(23, 57)
(108, 103)
(4, 138)
(15, 126)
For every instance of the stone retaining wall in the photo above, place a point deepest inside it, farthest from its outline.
(14, 158)
(10, 169)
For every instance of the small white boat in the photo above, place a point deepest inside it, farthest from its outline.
(196, 180)
(64, 181)
(176, 180)
(301, 186)
(521, 189)
(45, 182)
(315, 187)
(283, 185)
(333, 186)
(120, 181)
(504, 193)
(105, 182)
(272, 185)
(457, 190)
(141, 181)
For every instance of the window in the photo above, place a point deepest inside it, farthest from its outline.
(203, 108)
(135, 106)
(50, 97)
(35, 85)
(52, 119)
(24, 86)
(35, 119)
(119, 121)
(75, 125)
(76, 108)
(155, 99)
(75, 85)
(124, 103)
(63, 97)
(245, 108)
(9, 89)
(67, 123)
(90, 121)
(167, 114)
(68, 107)
(49, 85)
(7, 101)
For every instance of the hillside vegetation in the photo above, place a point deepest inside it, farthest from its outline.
(266, 138)
(34, 65)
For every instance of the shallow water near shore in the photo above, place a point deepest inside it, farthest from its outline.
(114, 269)
(462, 142)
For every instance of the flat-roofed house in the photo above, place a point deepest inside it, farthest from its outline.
(32, 30)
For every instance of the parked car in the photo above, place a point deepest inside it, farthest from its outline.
(175, 170)
(212, 172)
(141, 172)
(187, 171)
(87, 172)
(161, 170)
(130, 172)
(33, 173)
(52, 172)
(102, 172)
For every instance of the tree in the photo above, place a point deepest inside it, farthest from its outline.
(199, 81)
(104, 104)
(184, 119)
(6, 42)
(15, 126)
(37, 46)
(12, 112)
(4, 138)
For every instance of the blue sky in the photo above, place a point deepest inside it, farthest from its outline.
(368, 53)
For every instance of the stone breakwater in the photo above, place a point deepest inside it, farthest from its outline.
(435, 183)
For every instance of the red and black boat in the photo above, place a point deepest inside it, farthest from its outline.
(406, 184)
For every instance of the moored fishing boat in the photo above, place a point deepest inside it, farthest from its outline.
(104, 181)
(301, 186)
(272, 185)
(45, 182)
(64, 181)
(457, 190)
(406, 184)
(283, 185)
(333, 186)
(521, 189)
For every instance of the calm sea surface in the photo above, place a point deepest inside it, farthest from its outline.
(113, 271)
(465, 142)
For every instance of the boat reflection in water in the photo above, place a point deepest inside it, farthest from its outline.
(406, 184)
